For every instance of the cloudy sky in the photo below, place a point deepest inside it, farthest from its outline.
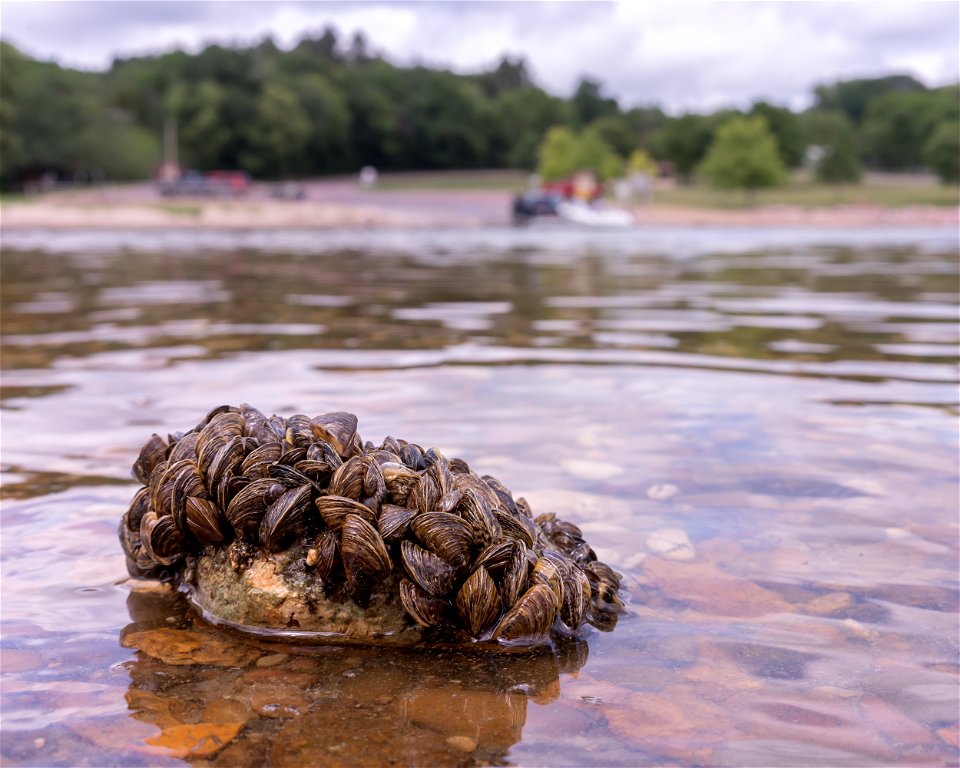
(681, 55)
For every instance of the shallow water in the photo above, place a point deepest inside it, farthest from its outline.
(781, 406)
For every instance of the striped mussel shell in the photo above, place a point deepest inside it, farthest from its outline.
(153, 452)
(529, 618)
(461, 552)
(248, 507)
(162, 541)
(366, 561)
(431, 573)
(339, 429)
(447, 536)
(335, 509)
(284, 518)
(478, 602)
(323, 556)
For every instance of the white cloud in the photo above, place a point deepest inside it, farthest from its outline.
(683, 55)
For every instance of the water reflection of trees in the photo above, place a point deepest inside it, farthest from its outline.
(227, 699)
(364, 299)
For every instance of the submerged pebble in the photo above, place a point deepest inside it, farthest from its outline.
(662, 491)
(672, 543)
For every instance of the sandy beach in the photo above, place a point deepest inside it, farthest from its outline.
(334, 204)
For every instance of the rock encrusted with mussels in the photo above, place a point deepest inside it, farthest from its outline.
(357, 529)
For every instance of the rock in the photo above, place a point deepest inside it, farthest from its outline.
(829, 603)
(225, 711)
(462, 743)
(950, 734)
(182, 647)
(672, 543)
(704, 587)
(278, 699)
(196, 740)
(495, 719)
(19, 660)
(277, 591)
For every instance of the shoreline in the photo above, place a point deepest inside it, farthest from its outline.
(402, 211)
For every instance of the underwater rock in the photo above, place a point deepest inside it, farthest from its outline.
(295, 525)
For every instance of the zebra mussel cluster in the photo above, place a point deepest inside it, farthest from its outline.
(464, 555)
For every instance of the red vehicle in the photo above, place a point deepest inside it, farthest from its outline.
(212, 184)
(583, 186)
(228, 182)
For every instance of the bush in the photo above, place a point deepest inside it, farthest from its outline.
(743, 155)
(832, 133)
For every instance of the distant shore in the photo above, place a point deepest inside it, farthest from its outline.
(342, 205)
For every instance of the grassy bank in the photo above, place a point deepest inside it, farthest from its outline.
(809, 194)
(888, 190)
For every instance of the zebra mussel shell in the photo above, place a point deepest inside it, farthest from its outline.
(463, 557)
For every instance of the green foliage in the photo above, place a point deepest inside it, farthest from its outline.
(509, 75)
(644, 123)
(786, 128)
(617, 132)
(744, 155)
(327, 145)
(522, 117)
(54, 119)
(595, 154)
(832, 133)
(589, 103)
(898, 125)
(942, 152)
(330, 106)
(641, 162)
(563, 153)
(684, 142)
(557, 155)
(852, 97)
(11, 143)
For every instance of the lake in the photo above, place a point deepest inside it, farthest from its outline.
(779, 406)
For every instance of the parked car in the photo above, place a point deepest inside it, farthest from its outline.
(212, 184)
(288, 190)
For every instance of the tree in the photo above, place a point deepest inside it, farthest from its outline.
(617, 132)
(563, 152)
(898, 125)
(836, 158)
(522, 118)
(593, 153)
(942, 152)
(508, 75)
(641, 162)
(557, 155)
(743, 155)
(328, 142)
(201, 130)
(684, 142)
(852, 97)
(589, 103)
(11, 144)
(277, 135)
(786, 128)
(644, 123)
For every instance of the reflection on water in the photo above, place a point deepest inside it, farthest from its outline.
(758, 431)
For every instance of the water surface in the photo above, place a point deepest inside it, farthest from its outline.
(786, 401)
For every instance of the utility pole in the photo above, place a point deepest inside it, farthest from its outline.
(170, 170)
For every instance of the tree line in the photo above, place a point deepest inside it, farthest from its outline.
(331, 106)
